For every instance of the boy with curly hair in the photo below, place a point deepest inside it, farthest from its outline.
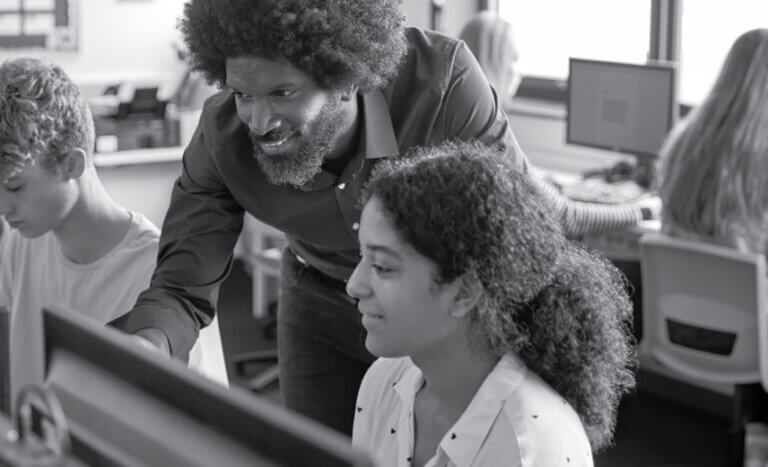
(313, 95)
(69, 246)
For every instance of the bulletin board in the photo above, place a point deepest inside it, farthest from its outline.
(47, 24)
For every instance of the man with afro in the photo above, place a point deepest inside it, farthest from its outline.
(313, 94)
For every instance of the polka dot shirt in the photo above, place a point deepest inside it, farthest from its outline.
(514, 419)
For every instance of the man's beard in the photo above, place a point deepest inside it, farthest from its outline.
(300, 167)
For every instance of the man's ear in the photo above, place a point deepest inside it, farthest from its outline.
(348, 94)
(467, 295)
(72, 164)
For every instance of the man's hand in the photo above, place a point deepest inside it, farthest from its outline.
(152, 339)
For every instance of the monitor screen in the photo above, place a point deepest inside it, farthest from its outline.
(126, 406)
(621, 107)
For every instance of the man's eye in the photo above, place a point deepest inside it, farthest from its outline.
(239, 94)
(282, 93)
(14, 189)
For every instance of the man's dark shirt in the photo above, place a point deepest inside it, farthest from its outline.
(440, 94)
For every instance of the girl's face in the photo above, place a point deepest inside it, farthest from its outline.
(404, 310)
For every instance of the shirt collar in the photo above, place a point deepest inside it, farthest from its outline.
(463, 441)
(408, 385)
(377, 137)
(380, 140)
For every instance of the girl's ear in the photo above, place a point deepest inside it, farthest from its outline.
(72, 164)
(467, 296)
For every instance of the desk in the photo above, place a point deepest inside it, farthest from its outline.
(263, 246)
(621, 245)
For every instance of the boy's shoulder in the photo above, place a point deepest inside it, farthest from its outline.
(143, 227)
(141, 240)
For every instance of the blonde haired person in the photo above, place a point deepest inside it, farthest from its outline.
(714, 164)
(491, 40)
(714, 176)
(70, 246)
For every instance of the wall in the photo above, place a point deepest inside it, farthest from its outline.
(417, 12)
(143, 188)
(120, 40)
(131, 40)
(455, 14)
(540, 129)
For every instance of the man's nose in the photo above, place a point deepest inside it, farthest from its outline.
(263, 119)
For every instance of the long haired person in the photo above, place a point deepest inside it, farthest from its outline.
(501, 342)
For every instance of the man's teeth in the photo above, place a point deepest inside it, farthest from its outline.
(275, 144)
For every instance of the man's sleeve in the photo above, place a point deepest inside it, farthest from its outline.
(472, 109)
(195, 254)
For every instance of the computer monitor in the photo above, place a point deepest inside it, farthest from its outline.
(621, 107)
(126, 406)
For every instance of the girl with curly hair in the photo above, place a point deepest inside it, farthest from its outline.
(502, 343)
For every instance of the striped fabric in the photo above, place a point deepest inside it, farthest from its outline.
(580, 218)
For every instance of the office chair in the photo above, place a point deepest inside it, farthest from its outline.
(704, 318)
(701, 304)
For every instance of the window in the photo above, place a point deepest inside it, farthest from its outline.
(548, 32)
(708, 29)
(37, 23)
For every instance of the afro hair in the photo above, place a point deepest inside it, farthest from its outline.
(341, 43)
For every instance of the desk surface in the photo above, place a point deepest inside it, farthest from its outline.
(619, 245)
(138, 156)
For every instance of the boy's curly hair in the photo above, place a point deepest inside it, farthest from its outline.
(562, 310)
(341, 43)
(42, 116)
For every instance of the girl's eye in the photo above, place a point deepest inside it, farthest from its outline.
(14, 189)
(380, 269)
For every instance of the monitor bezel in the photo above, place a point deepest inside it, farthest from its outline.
(668, 67)
(273, 427)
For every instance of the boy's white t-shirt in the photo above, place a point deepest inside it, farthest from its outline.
(35, 274)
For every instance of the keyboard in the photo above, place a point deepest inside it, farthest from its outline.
(597, 190)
